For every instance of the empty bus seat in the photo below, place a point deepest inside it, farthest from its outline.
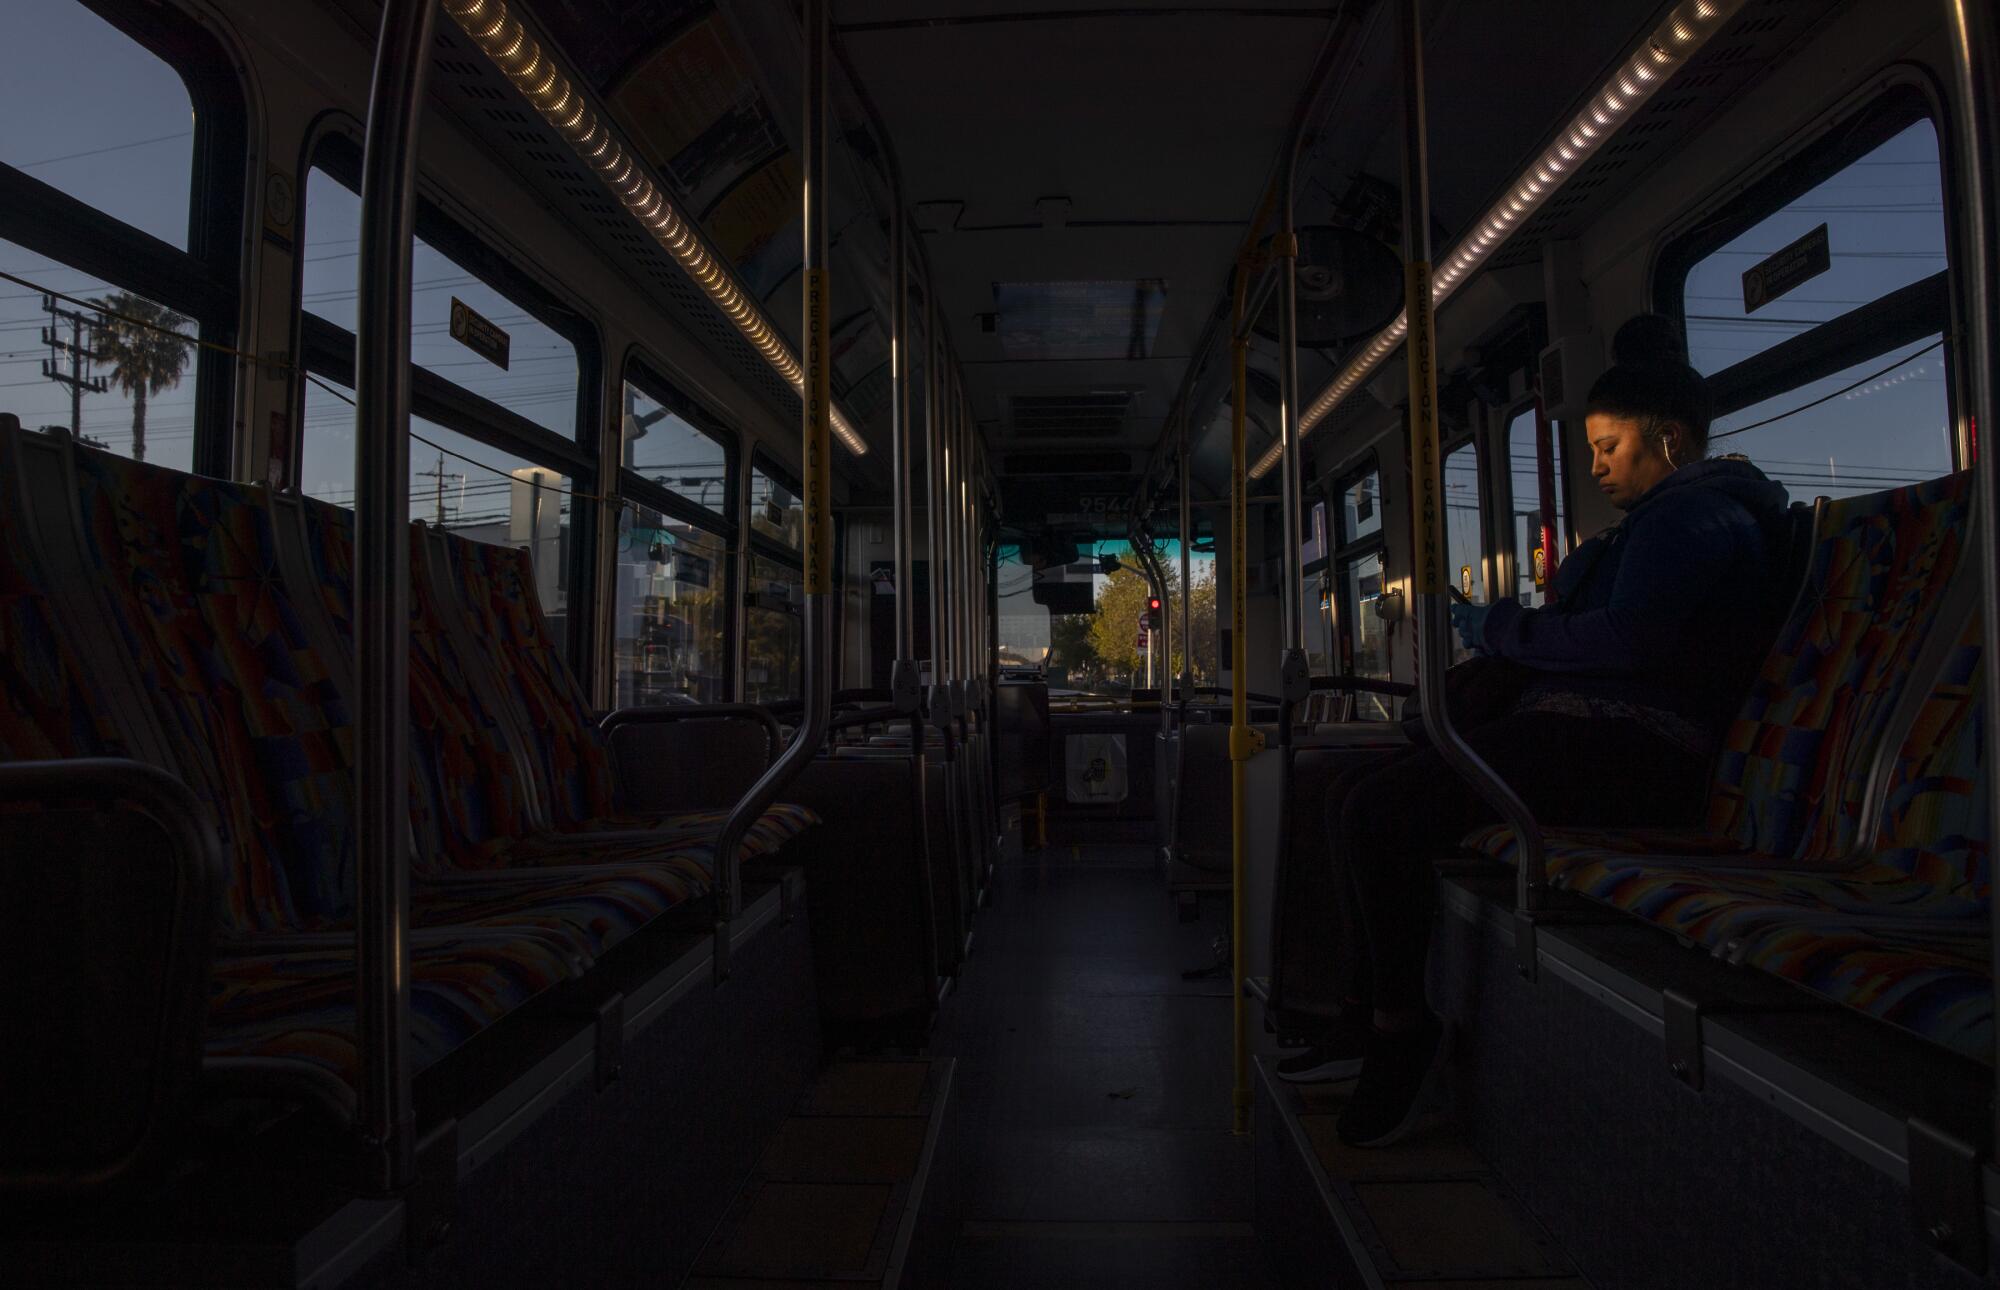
(179, 643)
(567, 752)
(474, 790)
(1781, 878)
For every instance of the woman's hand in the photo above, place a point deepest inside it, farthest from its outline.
(1469, 621)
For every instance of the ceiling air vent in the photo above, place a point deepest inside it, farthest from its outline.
(1092, 414)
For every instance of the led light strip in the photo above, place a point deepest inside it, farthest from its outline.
(502, 38)
(1663, 53)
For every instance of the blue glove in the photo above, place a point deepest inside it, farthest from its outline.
(1469, 621)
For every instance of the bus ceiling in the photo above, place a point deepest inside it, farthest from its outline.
(1080, 257)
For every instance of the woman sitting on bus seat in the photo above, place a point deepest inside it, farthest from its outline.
(1632, 673)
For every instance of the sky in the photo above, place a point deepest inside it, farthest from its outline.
(86, 110)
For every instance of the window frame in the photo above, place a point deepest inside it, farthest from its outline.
(205, 281)
(1347, 551)
(1482, 488)
(764, 545)
(1565, 495)
(639, 370)
(326, 349)
(724, 524)
(1902, 317)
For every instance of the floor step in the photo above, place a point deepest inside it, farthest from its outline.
(1427, 1211)
(834, 1198)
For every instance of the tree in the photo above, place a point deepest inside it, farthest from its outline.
(1121, 603)
(1071, 650)
(137, 337)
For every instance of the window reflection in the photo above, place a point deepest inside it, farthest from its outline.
(1531, 562)
(776, 510)
(463, 486)
(775, 639)
(671, 596)
(665, 448)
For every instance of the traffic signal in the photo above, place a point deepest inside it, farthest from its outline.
(1153, 611)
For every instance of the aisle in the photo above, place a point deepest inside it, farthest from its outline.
(1092, 1098)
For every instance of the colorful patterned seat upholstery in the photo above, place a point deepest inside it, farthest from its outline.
(474, 785)
(191, 578)
(567, 754)
(1894, 925)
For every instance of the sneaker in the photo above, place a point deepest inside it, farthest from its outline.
(1396, 1081)
(1337, 1058)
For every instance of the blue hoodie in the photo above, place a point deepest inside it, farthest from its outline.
(1672, 608)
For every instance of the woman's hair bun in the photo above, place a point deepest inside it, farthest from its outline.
(1648, 340)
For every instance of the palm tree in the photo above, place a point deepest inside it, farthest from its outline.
(138, 338)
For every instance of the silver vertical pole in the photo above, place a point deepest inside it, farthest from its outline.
(382, 569)
(933, 488)
(1430, 578)
(1294, 674)
(903, 676)
(817, 458)
(1975, 51)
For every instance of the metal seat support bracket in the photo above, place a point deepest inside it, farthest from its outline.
(1945, 1195)
(1682, 1014)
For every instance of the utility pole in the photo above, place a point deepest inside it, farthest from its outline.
(439, 473)
(80, 357)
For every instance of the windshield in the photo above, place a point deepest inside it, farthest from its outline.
(1106, 653)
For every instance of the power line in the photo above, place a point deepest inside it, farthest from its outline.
(1827, 398)
(98, 152)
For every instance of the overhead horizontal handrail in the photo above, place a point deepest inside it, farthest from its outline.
(815, 456)
(1641, 76)
(558, 96)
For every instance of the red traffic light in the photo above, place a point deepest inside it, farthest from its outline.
(1153, 604)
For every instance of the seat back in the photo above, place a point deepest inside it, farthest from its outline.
(53, 694)
(567, 751)
(1935, 821)
(188, 572)
(1793, 771)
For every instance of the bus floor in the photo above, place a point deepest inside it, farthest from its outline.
(1089, 1139)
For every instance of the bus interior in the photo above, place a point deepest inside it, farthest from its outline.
(824, 765)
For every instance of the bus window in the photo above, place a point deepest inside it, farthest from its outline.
(1874, 192)
(1356, 587)
(1464, 527)
(1025, 627)
(121, 381)
(776, 512)
(776, 630)
(1316, 594)
(539, 379)
(97, 116)
(462, 486)
(91, 112)
(1367, 634)
(1530, 561)
(1361, 507)
(663, 447)
(670, 638)
(1882, 424)
(1884, 218)
(1316, 605)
